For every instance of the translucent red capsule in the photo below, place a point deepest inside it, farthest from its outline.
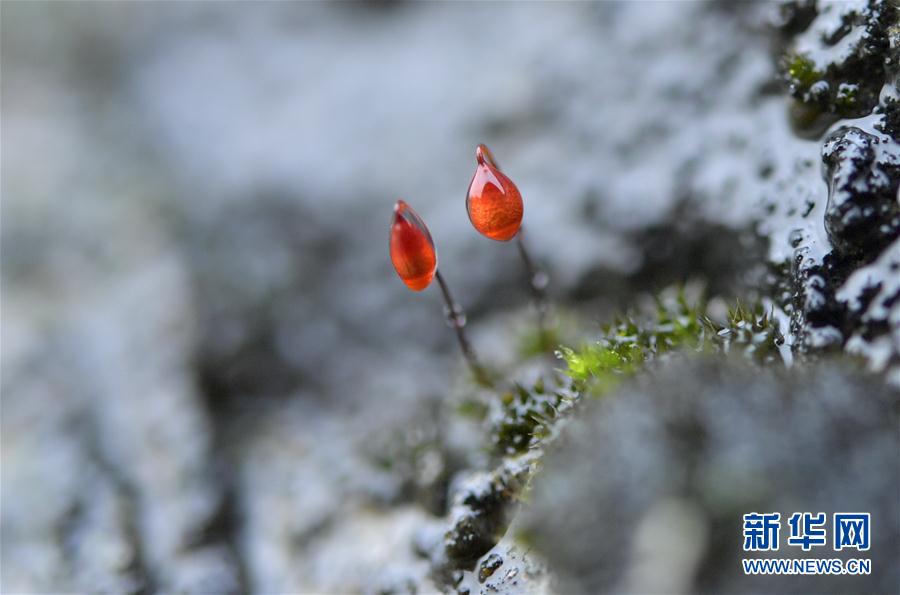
(412, 249)
(493, 202)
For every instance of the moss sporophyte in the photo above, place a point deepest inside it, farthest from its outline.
(495, 208)
(493, 202)
(415, 260)
(412, 249)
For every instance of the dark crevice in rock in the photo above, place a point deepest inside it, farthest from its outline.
(225, 524)
(479, 517)
(796, 16)
(65, 530)
(145, 580)
(679, 251)
(260, 272)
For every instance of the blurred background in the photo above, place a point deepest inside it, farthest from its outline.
(205, 347)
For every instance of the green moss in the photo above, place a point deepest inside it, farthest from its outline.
(846, 100)
(525, 416)
(628, 344)
(801, 73)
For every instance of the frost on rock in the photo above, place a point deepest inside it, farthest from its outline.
(508, 569)
(482, 507)
(863, 171)
(872, 297)
(126, 497)
(826, 236)
(835, 63)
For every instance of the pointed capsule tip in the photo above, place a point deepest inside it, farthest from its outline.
(484, 156)
(400, 207)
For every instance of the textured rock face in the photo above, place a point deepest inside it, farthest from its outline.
(850, 46)
(862, 216)
(837, 56)
(645, 491)
(212, 379)
(108, 471)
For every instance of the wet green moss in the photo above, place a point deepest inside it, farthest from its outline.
(801, 73)
(846, 100)
(526, 415)
(628, 344)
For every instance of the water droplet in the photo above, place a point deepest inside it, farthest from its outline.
(412, 249)
(493, 202)
(455, 317)
(540, 280)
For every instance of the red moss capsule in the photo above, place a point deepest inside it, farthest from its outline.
(412, 250)
(493, 202)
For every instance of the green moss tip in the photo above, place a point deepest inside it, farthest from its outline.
(629, 343)
(801, 72)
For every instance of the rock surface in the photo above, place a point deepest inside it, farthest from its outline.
(212, 380)
(645, 492)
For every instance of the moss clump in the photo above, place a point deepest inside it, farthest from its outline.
(801, 73)
(526, 416)
(846, 100)
(630, 343)
(529, 416)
